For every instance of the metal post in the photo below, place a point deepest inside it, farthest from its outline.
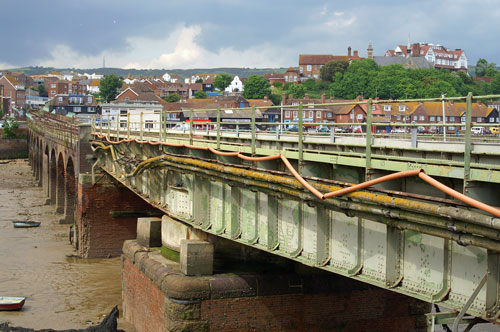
(281, 117)
(300, 131)
(414, 137)
(141, 124)
(444, 117)
(191, 126)
(253, 131)
(332, 134)
(218, 128)
(109, 124)
(128, 125)
(100, 124)
(118, 127)
(368, 149)
(161, 126)
(468, 143)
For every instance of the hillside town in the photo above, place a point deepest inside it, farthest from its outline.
(78, 95)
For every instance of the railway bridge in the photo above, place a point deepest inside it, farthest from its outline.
(411, 214)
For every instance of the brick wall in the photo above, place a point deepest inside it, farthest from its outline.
(258, 302)
(363, 311)
(100, 234)
(143, 301)
(13, 148)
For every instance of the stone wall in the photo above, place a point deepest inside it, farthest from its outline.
(13, 148)
(157, 298)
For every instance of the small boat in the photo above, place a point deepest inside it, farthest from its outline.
(25, 224)
(11, 303)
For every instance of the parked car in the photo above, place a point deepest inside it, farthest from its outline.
(477, 130)
(322, 129)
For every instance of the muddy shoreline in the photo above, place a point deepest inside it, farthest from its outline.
(63, 291)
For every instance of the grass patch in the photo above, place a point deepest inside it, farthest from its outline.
(170, 254)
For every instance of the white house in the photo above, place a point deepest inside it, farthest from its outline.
(93, 76)
(439, 55)
(120, 113)
(235, 86)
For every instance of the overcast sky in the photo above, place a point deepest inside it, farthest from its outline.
(234, 33)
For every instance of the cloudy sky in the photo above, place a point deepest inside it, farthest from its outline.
(234, 33)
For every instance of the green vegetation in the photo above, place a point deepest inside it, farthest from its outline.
(8, 128)
(173, 98)
(256, 87)
(329, 71)
(42, 91)
(367, 79)
(109, 86)
(485, 68)
(200, 94)
(222, 81)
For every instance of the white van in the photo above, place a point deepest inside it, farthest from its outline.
(477, 130)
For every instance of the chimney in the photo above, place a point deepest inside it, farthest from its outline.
(349, 52)
(265, 98)
(306, 96)
(479, 102)
(356, 54)
(359, 98)
(323, 98)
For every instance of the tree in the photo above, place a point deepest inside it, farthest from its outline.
(297, 90)
(109, 86)
(199, 80)
(277, 84)
(173, 98)
(42, 91)
(275, 98)
(328, 71)
(222, 81)
(491, 72)
(8, 128)
(200, 94)
(482, 67)
(256, 87)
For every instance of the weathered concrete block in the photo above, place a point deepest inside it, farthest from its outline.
(197, 257)
(173, 231)
(149, 232)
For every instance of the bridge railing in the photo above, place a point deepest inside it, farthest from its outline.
(55, 127)
(221, 122)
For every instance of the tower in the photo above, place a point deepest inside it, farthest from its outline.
(370, 50)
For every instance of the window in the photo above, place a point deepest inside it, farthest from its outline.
(286, 78)
(422, 118)
(462, 119)
(308, 67)
(492, 119)
(351, 115)
(52, 85)
(311, 114)
(330, 114)
(438, 118)
(91, 109)
(315, 76)
(301, 70)
(59, 98)
(452, 119)
(318, 114)
(123, 112)
(373, 107)
(387, 107)
(432, 118)
(287, 114)
(295, 114)
(402, 108)
(149, 124)
(398, 117)
(89, 99)
(123, 124)
(77, 109)
(415, 118)
(359, 116)
(295, 78)
(479, 119)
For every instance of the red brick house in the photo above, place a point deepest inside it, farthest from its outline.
(310, 64)
(13, 92)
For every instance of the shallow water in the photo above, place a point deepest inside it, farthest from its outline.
(62, 292)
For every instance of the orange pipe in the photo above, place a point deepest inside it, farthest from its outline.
(461, 197)
(420, 172)
(373, 182)
(300, 178)
(242, 156)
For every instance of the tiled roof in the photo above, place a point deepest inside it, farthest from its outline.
(260, 102)
(319, 59)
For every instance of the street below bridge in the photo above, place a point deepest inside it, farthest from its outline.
(63, 292)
